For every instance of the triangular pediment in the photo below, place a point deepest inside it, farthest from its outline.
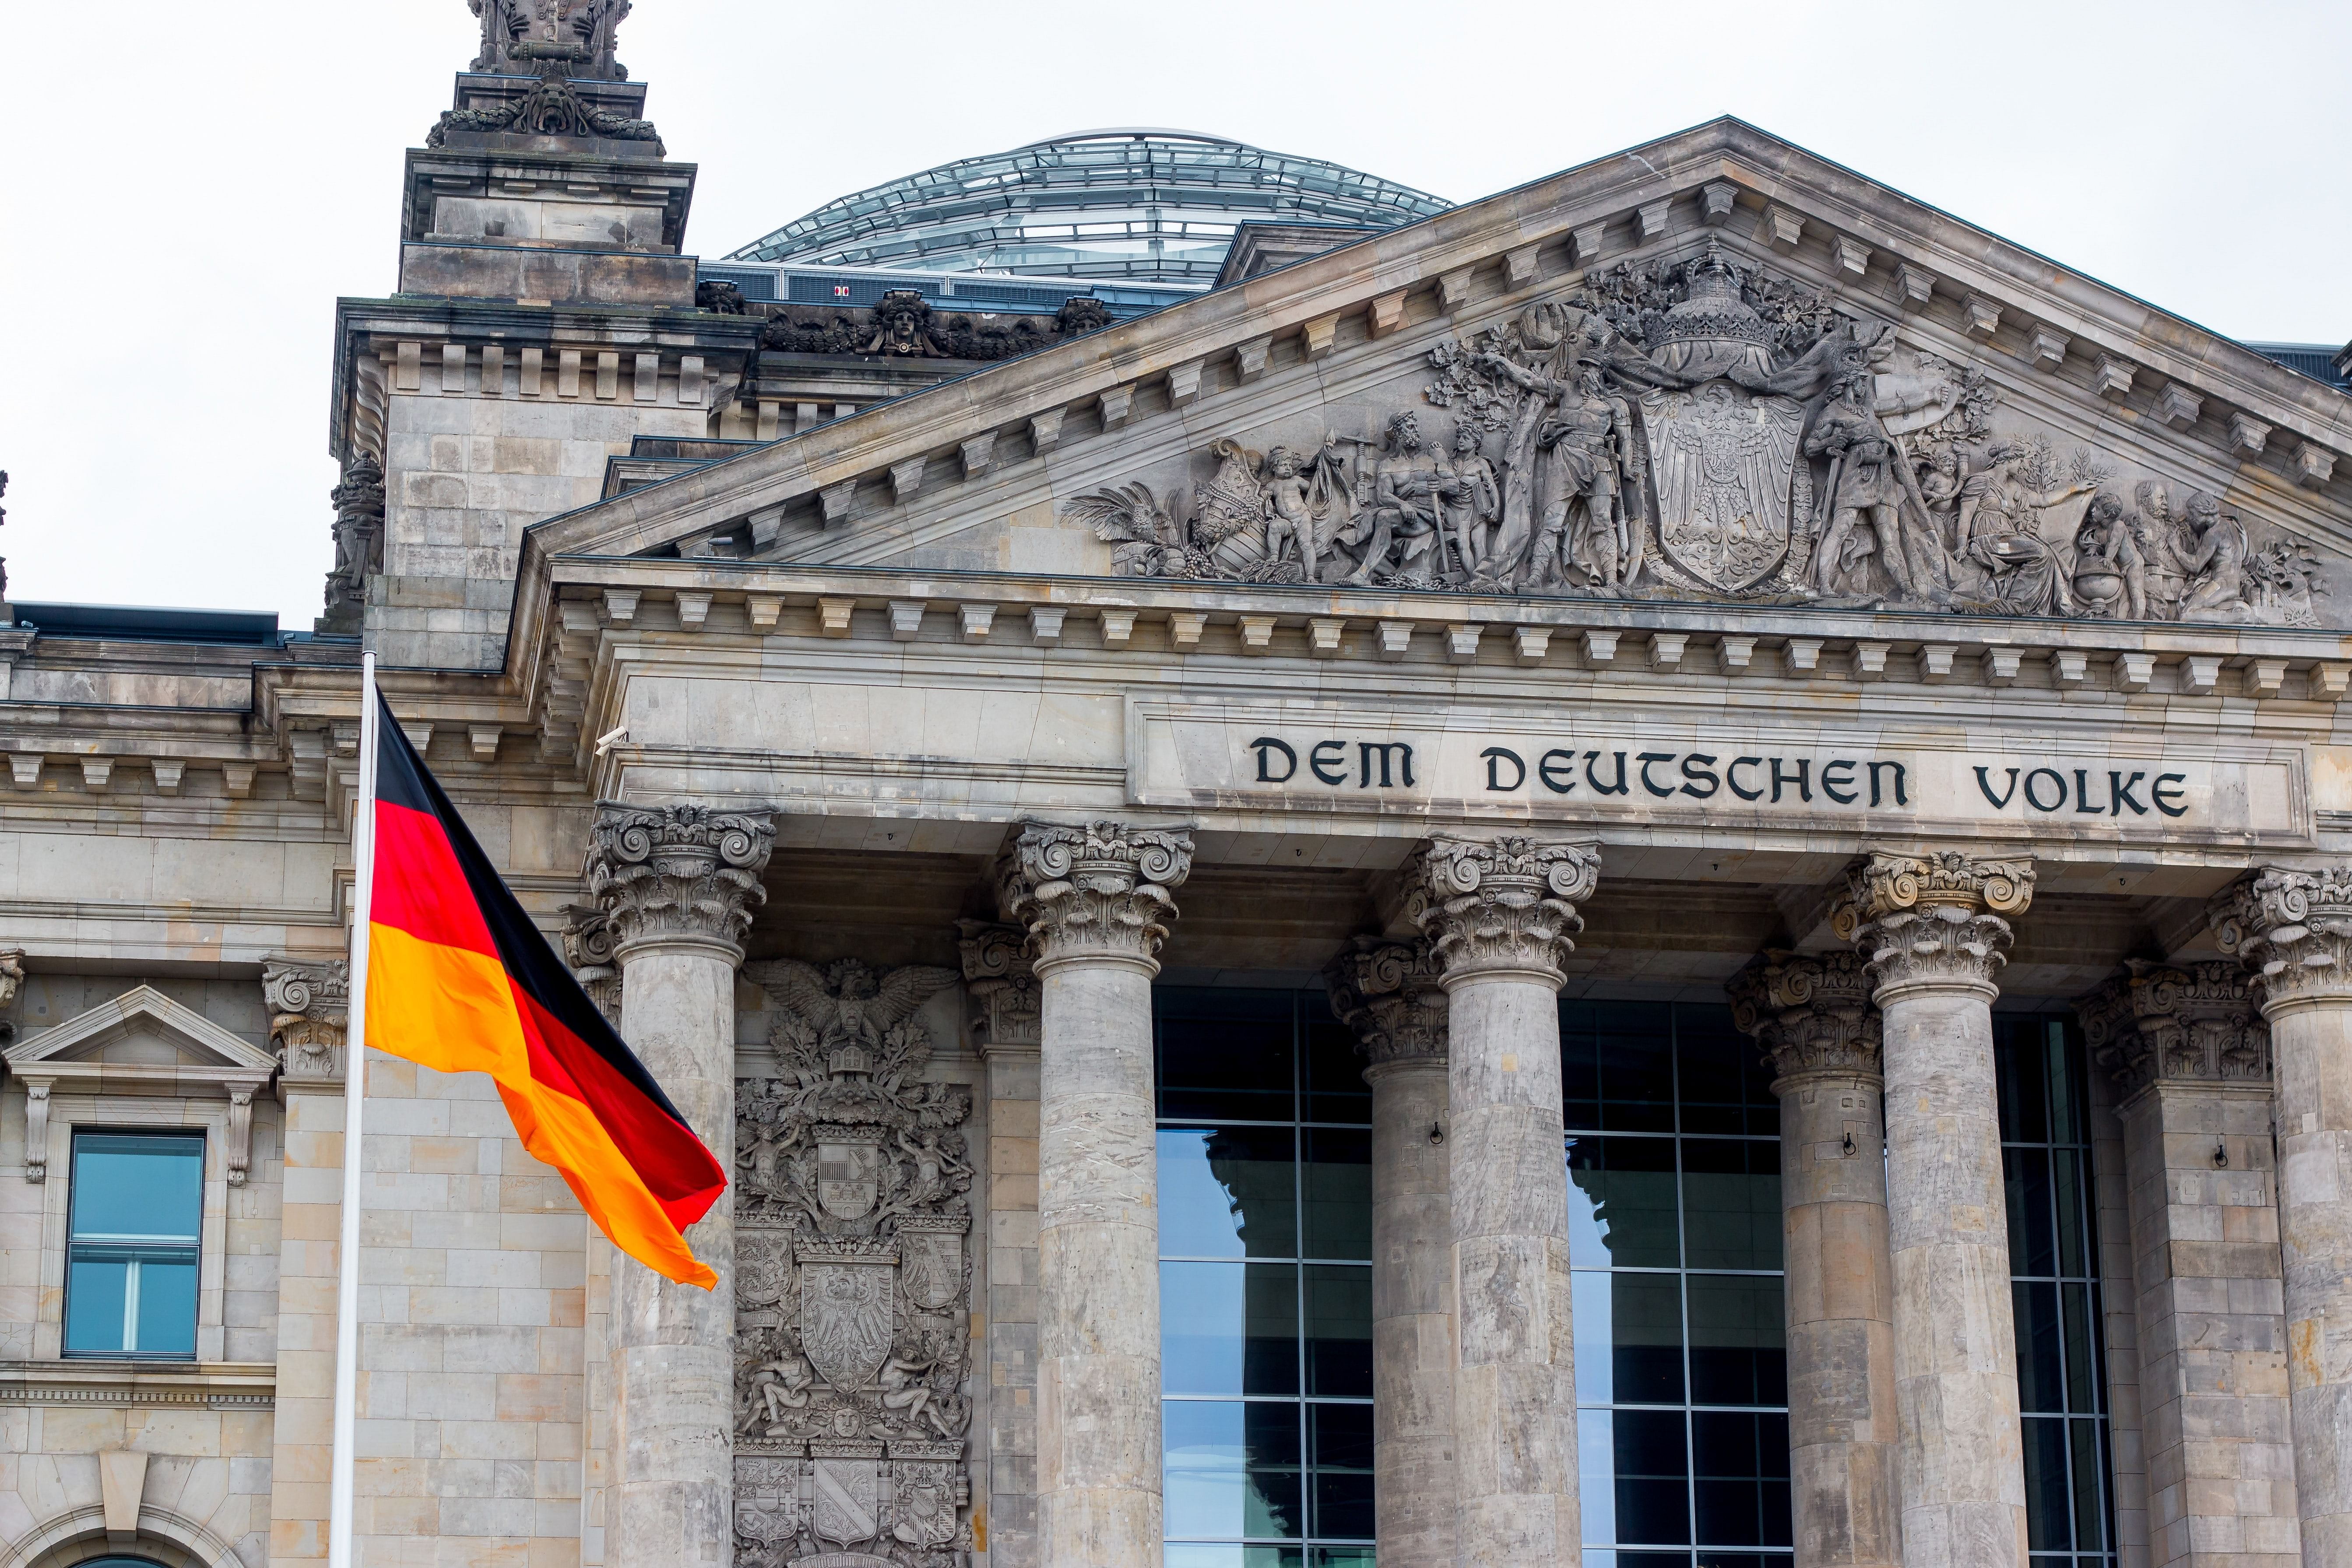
(2029, 441)
(140, 1035)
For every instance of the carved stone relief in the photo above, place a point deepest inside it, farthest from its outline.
(309, 1008)
(902, 323)
(2177, 1022)
(357, 500)
(853, 1256)
(1704, 430)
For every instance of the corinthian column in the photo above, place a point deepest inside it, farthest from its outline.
(677, 886)
(1814, 1020)
(2294, 929)
(2188, 1049)
(1931, 929)
(1095, 902)
(1389, 992)
(1497, 912)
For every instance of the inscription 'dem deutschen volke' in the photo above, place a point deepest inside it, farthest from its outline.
(1864, 783)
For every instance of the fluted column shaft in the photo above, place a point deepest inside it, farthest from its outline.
(1095, 902)
(2294, 929)
(678, 885)
(1814, 1016)
(1931, 929)
(1500, 913)
(1389, 992)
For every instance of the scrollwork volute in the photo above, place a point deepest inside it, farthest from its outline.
(2292, 930)
(309, 1010)
(1099, 892)
(588, 947)
(1002, 984)
(1810, 1015)
(1932, 920)
(1500, 906)
(679, 873)
(2177, 1022)
(852, 1278)
(1391, 994)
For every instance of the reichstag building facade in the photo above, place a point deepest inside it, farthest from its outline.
(1654, 872)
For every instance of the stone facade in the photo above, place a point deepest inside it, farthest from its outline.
(1703, 571)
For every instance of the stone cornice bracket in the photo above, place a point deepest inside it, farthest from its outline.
(309, 1008)
(682, 875)
(1932, 921)
(588, 943)
(1097, 893)
(2177, 1022)
(1393, 996)
(2292, 930)
(1501, 907)
(1001, 986)
(1813, 1015)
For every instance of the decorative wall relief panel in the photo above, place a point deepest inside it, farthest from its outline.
(1702, 429)
(853, 1287)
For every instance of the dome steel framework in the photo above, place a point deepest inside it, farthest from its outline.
(1137, 204)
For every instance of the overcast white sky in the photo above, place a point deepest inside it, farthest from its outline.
(185, 190)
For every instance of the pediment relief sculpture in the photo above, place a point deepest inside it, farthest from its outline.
(1704, 430)
(853, 1400)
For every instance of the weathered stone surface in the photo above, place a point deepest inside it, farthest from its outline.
(1928, 926)
(1814, 1018)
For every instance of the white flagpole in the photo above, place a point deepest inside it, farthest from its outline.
(347, 1285)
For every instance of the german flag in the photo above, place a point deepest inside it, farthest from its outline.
(459, 979)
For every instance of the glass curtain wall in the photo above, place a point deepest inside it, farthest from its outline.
(1673, 1158)
(1264, 1280)
(2054, 1251)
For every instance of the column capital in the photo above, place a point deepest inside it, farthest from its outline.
(1932, 921)
(1813, 1015)
(1500, 906)
(1002, 983)
(309, 1007)
(2293, 929)
(1098, 892)
(589, 941)
(683, 875)
(2177, 1022)
(1392, 994)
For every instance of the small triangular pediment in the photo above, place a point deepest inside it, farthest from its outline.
(2029, 441)
(140, 1035)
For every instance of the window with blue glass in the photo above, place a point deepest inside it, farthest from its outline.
(2053, 1251)
(1265, 1281)
(136, 1206)
(1673, 1153)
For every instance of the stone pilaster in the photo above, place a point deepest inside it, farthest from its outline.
(1095, 902)
(1004, 1020)
(678, 886)
(1498, 913)
(2190, 1054)
(1931, 926)
(1814, 1020)
(1389, 994)
(2294, 928)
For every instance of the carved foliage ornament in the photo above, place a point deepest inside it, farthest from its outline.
(1006, 1011)
(588, 942)
(1390, 994)
(1500, 905)
(2293, 929)
(1810, 1013)
(1932, 918)
(679, 871)
(309, 1007)
(2194, 1023)
(1704, 429)
(1097, 891)
(852, 1399)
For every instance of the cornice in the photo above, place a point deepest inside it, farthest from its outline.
(210, 1385)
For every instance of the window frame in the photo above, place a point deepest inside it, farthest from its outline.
(75, 1243)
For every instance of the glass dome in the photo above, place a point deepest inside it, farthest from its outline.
(1142, 205)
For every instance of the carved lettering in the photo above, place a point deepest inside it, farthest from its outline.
(1495, 757)
(1266, 747)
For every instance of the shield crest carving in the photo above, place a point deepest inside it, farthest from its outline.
(848, 1507)
(932, 1271)
(848, 1171)
(1723, 459)
(846, 1316)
